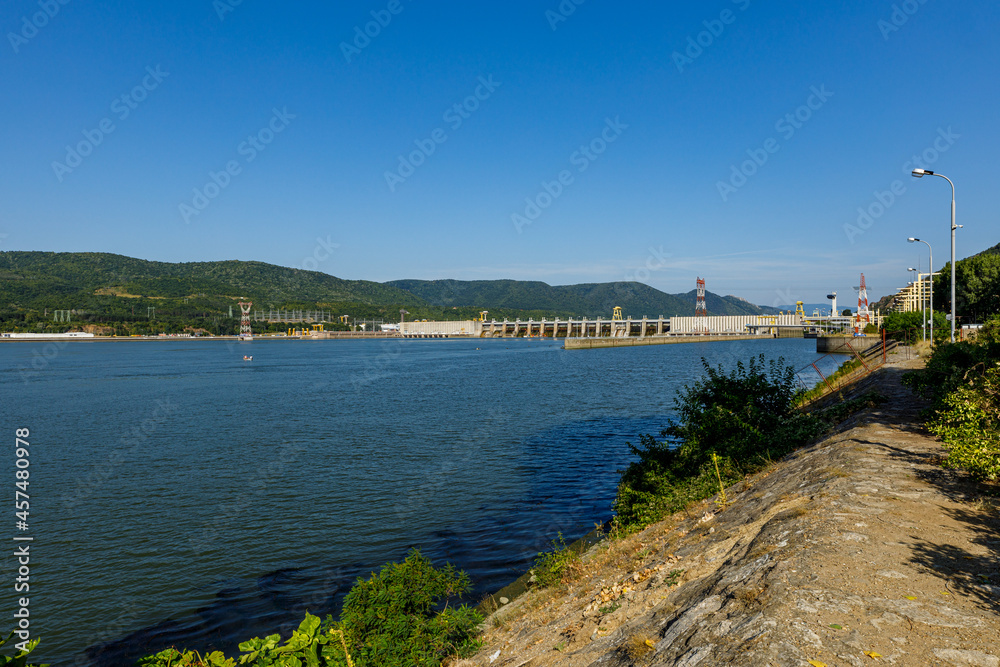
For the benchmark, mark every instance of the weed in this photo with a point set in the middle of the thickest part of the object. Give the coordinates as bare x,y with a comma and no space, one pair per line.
551,567
749,597
673,577
638,646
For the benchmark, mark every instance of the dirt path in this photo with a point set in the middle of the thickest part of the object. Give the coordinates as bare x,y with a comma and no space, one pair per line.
857,550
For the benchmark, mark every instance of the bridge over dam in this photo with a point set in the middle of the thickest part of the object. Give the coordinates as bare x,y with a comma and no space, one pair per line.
628,331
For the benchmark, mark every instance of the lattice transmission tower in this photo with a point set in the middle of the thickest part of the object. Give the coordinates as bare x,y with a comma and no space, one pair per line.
864,315
700,309
245,330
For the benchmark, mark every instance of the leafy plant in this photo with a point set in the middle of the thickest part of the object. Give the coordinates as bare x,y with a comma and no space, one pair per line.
399,617
173,658
737,421
551,566
396,618
728,426
20,658
963,381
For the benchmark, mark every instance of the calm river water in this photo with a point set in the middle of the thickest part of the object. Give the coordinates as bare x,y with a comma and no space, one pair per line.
182,496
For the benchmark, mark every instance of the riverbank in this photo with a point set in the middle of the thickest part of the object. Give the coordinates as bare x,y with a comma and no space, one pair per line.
857,547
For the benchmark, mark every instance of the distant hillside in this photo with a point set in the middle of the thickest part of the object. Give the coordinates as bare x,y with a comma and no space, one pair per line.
59,280
111,284
590,299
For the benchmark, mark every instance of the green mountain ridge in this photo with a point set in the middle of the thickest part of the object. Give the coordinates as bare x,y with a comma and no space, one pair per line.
42,281
30,275
588,299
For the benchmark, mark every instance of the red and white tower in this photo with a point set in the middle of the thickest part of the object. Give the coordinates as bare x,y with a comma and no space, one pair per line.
700,309
864,317
245,330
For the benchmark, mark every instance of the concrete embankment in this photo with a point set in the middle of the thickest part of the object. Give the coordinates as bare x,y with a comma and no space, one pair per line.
855,550
593,343
846,344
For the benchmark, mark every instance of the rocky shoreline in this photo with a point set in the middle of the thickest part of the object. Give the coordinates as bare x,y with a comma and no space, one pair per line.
856,549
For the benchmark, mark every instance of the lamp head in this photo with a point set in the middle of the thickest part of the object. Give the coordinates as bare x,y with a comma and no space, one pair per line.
920,173
911,239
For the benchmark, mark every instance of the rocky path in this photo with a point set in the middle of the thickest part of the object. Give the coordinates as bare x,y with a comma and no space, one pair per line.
857,550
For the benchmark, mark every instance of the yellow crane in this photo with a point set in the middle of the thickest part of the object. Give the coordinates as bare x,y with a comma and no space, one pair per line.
617,315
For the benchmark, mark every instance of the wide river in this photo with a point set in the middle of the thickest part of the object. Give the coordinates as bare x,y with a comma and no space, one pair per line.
183,496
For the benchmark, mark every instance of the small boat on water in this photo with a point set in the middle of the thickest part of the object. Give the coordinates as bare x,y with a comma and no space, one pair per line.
247,358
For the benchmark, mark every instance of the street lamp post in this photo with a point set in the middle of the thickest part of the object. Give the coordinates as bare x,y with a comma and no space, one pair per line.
920,292
920,173
930,282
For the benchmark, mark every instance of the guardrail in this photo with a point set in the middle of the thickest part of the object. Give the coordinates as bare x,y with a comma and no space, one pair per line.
862,363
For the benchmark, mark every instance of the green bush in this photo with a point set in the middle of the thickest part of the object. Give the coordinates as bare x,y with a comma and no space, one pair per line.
962,380
908,328
745,417
393,619
20,658
551,566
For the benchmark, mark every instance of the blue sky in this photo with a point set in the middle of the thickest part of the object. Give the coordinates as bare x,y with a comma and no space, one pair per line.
591,142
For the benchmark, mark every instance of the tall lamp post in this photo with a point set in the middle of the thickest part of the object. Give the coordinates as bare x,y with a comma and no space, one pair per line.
931,281
920,173
919,290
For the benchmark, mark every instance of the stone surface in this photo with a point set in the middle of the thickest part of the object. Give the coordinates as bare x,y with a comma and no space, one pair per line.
859,544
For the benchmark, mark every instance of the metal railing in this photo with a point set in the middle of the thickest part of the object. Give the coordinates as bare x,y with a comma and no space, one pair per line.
861,364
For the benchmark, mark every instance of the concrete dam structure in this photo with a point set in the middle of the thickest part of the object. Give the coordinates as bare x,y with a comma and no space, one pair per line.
761,325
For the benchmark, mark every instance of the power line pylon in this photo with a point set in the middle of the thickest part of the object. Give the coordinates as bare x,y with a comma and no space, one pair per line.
863,312
700,309
245,330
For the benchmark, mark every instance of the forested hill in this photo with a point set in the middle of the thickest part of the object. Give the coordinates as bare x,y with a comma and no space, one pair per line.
46,281
30,277
590,299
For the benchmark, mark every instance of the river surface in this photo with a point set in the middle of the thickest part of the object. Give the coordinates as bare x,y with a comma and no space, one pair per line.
182,496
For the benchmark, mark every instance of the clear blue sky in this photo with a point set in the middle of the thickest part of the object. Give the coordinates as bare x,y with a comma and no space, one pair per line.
198,80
